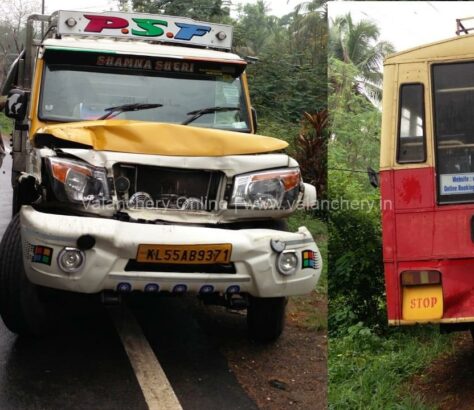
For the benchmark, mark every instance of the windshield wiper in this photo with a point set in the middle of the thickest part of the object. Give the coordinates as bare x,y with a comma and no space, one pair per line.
210,110
127,107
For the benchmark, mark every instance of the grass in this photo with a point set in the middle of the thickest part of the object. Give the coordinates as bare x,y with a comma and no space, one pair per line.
367,371
307,311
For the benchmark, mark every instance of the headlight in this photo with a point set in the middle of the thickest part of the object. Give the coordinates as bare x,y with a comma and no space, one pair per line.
76,181
276,189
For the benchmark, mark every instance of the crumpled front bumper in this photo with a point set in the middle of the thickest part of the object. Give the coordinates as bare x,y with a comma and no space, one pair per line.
117,243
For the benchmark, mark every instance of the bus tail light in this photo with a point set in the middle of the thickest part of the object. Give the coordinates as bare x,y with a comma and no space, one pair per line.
420,277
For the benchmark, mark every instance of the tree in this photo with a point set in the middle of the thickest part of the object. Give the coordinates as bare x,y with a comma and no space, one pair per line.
208,10
291,76
308,31
255,29
358,44
355,123
12,30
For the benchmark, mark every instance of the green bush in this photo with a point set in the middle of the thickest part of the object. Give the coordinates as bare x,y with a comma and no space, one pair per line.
356,282
6,124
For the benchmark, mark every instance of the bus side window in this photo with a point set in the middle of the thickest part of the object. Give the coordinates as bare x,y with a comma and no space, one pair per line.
411,124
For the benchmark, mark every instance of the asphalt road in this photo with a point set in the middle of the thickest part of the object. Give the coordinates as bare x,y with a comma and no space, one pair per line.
83,364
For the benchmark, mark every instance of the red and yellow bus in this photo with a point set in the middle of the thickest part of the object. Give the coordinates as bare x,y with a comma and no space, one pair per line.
427,184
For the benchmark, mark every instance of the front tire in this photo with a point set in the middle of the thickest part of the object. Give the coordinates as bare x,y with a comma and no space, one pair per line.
21,307
266,318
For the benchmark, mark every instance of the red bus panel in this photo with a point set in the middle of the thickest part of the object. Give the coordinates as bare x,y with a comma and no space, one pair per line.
419,234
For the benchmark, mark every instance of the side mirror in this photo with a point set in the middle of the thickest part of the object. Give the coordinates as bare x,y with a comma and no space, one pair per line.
16,104
373,177
254,120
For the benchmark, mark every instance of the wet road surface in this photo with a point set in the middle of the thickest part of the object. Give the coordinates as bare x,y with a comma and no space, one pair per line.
82,363
191,359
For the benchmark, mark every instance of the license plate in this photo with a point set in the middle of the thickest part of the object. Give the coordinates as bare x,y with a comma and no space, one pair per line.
423,303
185,254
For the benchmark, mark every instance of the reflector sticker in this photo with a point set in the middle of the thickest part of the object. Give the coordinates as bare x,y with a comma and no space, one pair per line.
309,258
42,254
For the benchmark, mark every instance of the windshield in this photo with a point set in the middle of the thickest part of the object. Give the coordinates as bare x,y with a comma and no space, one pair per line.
453,86
85,88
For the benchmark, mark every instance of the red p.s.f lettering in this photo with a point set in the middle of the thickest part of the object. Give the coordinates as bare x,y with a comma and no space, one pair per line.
98,23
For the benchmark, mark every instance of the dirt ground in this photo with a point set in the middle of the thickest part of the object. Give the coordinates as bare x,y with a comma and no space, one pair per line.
448,383
289,374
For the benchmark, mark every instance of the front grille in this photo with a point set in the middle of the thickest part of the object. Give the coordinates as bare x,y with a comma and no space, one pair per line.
167,188
134,266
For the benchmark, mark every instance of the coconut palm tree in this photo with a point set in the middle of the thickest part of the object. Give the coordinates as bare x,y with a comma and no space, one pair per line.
256,29
308,31
358,44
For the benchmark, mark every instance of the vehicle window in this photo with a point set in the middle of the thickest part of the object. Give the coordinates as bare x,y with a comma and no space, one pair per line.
411,130
83,92
453,86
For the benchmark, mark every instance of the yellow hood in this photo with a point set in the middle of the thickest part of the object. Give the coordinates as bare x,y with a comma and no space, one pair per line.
161,139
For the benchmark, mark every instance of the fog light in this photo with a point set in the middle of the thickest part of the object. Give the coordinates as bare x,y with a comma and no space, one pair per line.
71,22
180,289
206,289
152,288
287,262
233,289
124,287
71,260
221,35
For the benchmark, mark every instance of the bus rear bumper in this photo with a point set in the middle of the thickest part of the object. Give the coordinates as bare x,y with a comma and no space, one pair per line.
449,320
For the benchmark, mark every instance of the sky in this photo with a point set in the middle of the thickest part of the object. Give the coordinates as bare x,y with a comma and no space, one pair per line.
277,7
408,24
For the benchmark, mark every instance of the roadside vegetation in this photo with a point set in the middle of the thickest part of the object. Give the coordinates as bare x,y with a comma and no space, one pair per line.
369,363
6,125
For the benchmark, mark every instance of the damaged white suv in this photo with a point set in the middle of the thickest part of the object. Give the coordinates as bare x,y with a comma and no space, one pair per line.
136,167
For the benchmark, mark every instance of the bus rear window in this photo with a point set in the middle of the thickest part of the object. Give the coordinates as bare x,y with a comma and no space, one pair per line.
411,129
453,86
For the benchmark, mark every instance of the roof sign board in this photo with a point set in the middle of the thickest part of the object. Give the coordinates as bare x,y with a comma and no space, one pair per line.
145,27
